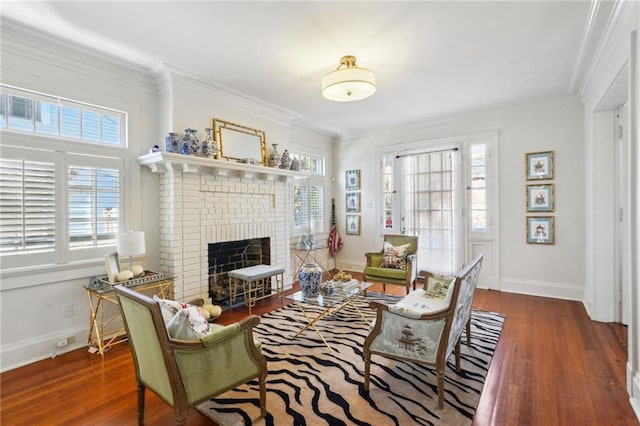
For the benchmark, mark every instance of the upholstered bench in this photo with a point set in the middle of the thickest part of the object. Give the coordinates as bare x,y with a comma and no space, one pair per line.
256,283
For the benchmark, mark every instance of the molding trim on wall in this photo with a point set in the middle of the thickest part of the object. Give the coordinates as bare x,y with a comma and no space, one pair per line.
19,354
554,290
195,86
613,32
66,54
633,389
405,130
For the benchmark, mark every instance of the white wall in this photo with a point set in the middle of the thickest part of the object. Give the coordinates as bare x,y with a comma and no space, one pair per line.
31,301
616,58
555,124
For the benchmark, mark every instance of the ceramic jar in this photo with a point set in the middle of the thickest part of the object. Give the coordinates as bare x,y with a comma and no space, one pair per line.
295,164
209,147
274,157
310,278
285,160
172,143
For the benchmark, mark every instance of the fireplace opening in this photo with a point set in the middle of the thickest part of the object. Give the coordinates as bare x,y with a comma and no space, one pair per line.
229,255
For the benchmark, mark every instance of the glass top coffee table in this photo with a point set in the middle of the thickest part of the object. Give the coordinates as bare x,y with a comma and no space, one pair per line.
332,303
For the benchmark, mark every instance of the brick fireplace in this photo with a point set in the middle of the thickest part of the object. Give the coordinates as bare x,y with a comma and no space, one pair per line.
200,206
229,255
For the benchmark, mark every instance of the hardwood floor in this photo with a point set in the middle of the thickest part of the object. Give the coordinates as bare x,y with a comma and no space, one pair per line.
552,366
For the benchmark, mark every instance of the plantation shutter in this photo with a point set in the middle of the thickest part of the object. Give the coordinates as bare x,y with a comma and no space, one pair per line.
317,203
300,206
27,206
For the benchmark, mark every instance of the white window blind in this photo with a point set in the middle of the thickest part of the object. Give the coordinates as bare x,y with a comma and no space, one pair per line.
27,206
300,206
94,205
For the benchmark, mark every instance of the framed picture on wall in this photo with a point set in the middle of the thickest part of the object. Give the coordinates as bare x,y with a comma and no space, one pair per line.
353,224
353,202
353,180
539,165
540,198
541,230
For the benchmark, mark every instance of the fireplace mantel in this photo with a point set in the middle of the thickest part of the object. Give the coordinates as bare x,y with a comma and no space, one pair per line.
202,165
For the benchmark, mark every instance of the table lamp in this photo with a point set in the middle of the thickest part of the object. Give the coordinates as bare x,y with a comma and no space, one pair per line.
130,244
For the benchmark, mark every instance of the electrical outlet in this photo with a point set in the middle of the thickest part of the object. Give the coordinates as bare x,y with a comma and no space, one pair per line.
66,341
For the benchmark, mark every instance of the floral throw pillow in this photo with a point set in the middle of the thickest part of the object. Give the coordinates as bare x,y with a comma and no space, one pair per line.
395,256
440,287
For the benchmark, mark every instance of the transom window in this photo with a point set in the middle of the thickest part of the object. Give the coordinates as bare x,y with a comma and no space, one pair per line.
25,111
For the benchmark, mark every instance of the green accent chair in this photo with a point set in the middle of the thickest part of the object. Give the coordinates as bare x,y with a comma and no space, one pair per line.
185,373
374,272
423,327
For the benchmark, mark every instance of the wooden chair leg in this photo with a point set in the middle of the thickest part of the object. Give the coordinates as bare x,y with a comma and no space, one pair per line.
384,288
458,354
263,395
440,375
367,369
140,388
469,332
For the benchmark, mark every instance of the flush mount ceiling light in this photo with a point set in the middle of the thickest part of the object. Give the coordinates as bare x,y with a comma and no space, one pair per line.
348,82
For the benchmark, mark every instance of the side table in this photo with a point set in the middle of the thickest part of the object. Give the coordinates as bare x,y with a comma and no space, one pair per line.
318,255
105,322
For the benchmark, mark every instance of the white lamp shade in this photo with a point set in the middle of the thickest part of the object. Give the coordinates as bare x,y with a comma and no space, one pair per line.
348,84
130,243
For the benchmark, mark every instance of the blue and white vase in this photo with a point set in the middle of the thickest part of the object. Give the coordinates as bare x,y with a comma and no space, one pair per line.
310,278
172,143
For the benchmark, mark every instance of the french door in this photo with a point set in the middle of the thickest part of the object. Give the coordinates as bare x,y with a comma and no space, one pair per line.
430,207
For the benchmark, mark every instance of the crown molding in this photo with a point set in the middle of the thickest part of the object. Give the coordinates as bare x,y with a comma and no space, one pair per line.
34,44
615,28
463,118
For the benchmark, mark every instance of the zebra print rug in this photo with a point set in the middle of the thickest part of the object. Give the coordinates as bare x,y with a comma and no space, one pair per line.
310,385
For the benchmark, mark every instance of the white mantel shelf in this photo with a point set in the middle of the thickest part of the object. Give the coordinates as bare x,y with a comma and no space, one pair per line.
162,161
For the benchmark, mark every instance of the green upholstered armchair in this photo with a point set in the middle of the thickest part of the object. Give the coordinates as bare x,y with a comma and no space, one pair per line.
376,271
186,372
425,326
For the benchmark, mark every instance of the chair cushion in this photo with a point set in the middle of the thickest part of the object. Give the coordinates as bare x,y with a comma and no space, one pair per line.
440,287
395,256
418,303
373,272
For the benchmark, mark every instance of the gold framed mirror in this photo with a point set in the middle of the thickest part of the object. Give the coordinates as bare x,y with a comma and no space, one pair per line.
240,143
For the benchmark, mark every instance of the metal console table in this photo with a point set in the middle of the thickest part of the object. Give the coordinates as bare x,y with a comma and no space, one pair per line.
105,321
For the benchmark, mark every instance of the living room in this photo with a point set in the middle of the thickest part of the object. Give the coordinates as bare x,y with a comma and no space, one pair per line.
574,120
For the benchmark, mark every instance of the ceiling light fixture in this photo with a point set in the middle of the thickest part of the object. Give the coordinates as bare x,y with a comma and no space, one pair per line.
348,82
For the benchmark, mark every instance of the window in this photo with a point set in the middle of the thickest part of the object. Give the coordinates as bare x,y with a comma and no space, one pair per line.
388,193
478,188
26,111
58,204
308,197
27,206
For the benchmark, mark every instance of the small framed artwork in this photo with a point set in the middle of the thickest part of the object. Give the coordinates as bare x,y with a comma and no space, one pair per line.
539,165
112,265
353,180
540,230
353,224
540,198
353,202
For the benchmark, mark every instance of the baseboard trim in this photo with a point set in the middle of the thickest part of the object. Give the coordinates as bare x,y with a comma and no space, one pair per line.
633,389
29,351
554,290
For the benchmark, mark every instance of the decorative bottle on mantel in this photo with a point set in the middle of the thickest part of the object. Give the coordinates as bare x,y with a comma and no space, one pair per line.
310,278
172,143
209,147
285,160
274,157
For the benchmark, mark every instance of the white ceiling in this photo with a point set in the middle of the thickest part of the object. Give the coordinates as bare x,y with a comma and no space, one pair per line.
430,58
